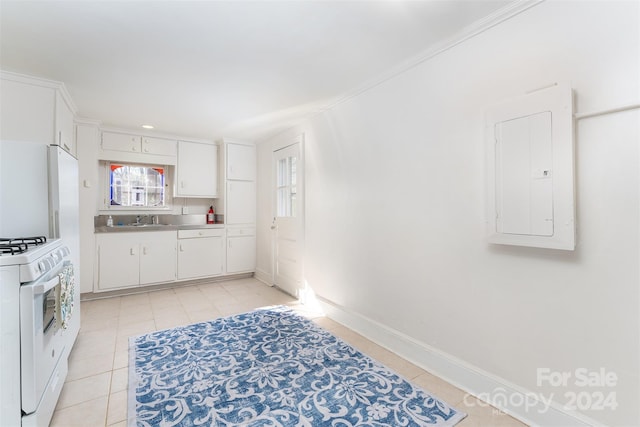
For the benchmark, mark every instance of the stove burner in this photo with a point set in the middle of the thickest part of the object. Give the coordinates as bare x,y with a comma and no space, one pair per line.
18,245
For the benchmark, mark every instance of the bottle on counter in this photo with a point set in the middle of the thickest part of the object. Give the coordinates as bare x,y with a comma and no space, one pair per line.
210,216
110,221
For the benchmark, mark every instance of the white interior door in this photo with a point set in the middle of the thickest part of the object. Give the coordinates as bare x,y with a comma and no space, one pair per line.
288,219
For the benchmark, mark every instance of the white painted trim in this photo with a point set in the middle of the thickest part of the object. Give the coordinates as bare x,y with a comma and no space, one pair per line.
87,121
263,276
580,116
226,140
501,15
457,372
478,27
39,81
155,134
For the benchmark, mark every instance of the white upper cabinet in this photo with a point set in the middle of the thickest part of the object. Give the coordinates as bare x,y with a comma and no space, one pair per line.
197,170
241,162
240,188
241,202
36,110
160,146
121,146
121,142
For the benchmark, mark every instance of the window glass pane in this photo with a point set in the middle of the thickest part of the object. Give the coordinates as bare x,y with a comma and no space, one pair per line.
282,172
282,202
139,186
286,187
293,170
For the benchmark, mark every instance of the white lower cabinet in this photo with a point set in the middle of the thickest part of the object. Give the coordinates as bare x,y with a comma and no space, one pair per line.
241,250
131,259
118,261
200,253
158,257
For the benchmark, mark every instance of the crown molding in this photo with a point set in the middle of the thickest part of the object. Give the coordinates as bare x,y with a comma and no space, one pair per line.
476,28
39,81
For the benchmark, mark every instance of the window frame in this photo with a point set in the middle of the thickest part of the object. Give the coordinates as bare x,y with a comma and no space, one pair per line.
167,175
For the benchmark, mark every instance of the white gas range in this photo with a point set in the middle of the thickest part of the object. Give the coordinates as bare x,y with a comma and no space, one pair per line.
37,327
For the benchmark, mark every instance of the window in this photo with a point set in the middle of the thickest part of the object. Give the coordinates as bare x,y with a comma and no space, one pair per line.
139,186
287,193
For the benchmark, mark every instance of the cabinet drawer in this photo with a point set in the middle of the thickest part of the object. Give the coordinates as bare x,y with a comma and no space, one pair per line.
204,232
120,142
160,146
246,231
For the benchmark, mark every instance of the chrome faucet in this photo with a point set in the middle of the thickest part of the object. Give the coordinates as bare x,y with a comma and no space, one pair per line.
139,219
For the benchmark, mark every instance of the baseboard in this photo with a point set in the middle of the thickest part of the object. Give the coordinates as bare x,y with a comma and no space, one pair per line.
263,276
88,296
501,394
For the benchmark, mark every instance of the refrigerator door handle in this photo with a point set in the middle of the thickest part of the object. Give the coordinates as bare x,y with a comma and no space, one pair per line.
56,224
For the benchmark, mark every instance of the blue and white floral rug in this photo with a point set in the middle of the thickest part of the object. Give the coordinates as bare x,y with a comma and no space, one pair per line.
269,367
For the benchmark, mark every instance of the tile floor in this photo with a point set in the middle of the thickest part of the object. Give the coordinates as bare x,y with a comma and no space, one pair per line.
95,393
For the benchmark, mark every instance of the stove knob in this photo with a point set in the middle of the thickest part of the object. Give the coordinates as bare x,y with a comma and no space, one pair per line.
40,268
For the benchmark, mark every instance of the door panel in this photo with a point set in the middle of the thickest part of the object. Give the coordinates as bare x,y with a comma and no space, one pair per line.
241,202
158,260
288,219
241,254
118,262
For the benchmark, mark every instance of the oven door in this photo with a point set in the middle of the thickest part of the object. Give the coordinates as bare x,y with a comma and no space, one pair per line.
41,340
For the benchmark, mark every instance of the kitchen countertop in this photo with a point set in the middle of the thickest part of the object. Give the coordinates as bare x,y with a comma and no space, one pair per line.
153,227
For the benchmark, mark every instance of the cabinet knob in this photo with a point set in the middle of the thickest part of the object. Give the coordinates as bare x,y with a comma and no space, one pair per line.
146,150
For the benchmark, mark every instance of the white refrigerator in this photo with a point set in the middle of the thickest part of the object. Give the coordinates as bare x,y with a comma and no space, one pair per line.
39,193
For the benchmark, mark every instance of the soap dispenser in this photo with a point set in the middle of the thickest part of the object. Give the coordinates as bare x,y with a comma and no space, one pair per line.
110,221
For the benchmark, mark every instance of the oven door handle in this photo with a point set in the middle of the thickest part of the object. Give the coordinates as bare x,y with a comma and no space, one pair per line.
41,288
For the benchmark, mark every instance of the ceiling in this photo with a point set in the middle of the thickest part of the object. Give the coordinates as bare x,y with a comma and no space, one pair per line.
207,69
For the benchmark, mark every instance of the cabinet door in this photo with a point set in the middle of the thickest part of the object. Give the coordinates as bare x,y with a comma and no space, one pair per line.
200,257
26,112
120,142
118,262
241,254
160,146
64,125
241,202
241,162
158,258
197,170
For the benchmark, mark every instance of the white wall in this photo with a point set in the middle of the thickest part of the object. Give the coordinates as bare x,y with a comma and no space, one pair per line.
395,206
87,142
